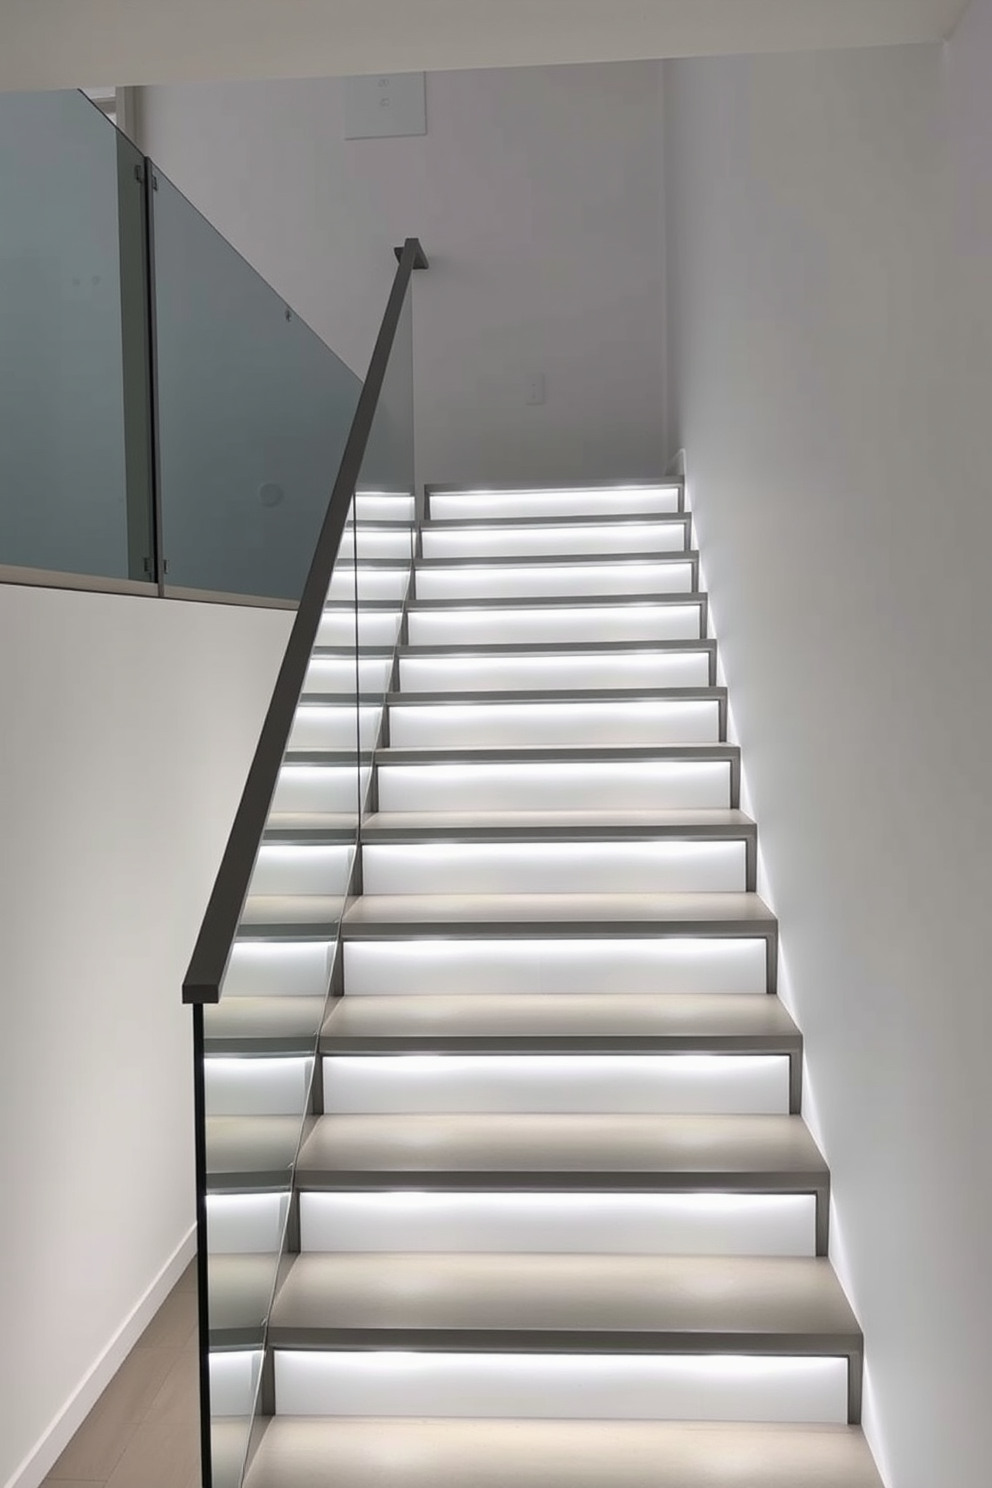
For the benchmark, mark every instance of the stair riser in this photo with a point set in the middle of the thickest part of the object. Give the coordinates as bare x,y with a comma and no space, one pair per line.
372,628
283,869
385,544
553,672
594,967
482,627
552,581
641,785
319,788
339,675
560,1223
456,725
336,727
372,583
565,1387
257,1087
274,970
371,506
472,506
717,1084
517,542
555,868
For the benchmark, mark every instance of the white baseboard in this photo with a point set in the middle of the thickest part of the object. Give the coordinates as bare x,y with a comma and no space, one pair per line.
46,1452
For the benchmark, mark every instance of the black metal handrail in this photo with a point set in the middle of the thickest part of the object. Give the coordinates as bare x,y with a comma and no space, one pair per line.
220,923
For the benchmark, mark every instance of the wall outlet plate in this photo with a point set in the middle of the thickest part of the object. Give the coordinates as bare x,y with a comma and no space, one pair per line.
385,104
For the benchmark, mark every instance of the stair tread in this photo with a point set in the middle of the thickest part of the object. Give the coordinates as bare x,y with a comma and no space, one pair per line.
702,821
674,1302
299,1452
512,1020
562,1150
251,1151
737,912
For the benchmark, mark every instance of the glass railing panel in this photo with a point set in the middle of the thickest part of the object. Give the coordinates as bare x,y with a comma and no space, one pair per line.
253,413
75,473
261,1071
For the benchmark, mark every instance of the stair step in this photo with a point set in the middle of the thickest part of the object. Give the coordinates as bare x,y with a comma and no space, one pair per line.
524,1083
478,1303
400,915
373,627
376,506
566,1153
297,1452
522,1024
520,778
567,501
638,961
562,826
248,1154
552,1221
595,716
598,536
672,573
264,1025
638,618
524,667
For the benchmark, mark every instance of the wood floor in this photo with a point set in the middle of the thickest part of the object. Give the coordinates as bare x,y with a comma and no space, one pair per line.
143,1431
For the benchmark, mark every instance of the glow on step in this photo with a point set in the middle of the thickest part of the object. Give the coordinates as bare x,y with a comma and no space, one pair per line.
340,674
554,624
589,1223
369,628
507,581
287,869
327,788
626,785
441,867
553,671
383,506
246,1224
466,506
234,1376
662,1084
270,969
256,1086
515,542
619,721
372,583
575,1386
335,726
596,967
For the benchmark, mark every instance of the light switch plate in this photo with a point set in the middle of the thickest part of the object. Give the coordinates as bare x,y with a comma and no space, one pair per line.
385,104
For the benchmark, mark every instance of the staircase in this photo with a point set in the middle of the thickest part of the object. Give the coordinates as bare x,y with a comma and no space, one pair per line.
559,1221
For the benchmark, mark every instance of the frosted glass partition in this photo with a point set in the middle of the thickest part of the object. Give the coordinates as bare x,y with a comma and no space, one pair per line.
253,413
75,487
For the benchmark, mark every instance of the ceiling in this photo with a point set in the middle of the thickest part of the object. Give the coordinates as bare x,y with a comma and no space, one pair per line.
64,43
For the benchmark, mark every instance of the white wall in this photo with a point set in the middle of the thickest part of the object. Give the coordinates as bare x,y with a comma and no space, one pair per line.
536,195
830,282
66,42
128,726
